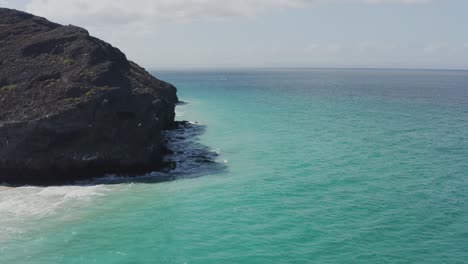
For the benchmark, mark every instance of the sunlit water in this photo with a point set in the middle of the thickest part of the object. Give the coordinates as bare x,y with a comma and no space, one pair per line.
315,166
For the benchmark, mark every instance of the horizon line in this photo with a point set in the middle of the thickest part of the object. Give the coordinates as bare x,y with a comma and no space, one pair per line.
158,68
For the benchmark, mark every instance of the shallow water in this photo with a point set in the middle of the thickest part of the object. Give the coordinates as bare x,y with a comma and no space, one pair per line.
314,166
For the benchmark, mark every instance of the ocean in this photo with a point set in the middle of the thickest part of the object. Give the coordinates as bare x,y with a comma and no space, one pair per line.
278,166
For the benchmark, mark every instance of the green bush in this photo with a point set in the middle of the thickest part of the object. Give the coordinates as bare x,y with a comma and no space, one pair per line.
8,88
90,93
68,61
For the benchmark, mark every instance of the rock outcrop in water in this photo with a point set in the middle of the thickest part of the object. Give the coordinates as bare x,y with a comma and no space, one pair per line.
72,106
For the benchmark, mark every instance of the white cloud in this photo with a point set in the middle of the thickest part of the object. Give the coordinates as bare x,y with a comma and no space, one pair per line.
122,12
396,1
334,48
16,4
146,32
119,11
442,48
365,46
431,48
312,47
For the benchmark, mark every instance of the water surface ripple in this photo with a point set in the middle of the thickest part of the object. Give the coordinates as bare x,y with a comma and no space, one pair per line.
319,166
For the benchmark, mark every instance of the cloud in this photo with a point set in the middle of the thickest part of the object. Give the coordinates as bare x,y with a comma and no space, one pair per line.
16,4
431,48
123,12
394,1
364,46
312,47
334,48
153,32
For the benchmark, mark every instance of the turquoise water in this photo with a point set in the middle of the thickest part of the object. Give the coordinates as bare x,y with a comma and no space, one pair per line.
318,166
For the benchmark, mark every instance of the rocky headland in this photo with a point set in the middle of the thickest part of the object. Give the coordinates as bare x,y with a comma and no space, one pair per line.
73,107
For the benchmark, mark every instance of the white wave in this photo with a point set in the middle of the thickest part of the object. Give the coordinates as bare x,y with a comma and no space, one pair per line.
22,207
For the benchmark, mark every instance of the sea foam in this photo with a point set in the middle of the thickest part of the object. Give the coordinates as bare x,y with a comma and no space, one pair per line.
21,207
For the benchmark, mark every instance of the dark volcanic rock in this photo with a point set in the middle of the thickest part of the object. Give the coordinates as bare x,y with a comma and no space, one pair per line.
72,106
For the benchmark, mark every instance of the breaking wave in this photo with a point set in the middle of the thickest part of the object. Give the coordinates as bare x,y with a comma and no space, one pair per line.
21,207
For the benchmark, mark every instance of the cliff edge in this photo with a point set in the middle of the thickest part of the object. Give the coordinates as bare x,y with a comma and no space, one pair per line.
73,107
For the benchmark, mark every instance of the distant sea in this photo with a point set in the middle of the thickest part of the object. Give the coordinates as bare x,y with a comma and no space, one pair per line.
311,166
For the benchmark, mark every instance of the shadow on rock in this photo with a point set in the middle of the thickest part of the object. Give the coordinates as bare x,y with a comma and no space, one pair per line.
185,158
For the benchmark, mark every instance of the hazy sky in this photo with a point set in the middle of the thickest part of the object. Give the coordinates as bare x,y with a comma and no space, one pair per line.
273,33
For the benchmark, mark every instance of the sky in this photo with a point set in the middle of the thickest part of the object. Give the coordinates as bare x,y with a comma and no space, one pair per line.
158,34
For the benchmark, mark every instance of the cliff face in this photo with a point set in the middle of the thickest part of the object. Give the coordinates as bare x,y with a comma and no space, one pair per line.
72,106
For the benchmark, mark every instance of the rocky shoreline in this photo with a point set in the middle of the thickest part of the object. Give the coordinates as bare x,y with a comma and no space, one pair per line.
73,107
